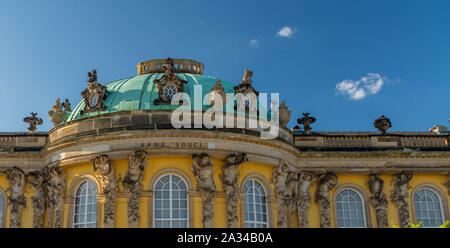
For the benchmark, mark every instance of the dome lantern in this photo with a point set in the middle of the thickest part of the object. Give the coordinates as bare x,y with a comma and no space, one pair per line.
160,65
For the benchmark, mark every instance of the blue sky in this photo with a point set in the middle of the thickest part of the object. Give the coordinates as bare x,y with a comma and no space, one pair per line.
388,57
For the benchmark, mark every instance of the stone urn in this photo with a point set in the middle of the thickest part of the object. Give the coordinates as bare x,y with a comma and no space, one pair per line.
382,124
284,114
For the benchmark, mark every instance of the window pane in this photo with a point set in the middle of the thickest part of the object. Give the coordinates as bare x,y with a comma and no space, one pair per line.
170,202
350,209
85,206
428,208
255,205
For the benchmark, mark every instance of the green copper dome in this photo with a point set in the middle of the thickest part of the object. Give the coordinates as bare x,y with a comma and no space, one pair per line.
139,92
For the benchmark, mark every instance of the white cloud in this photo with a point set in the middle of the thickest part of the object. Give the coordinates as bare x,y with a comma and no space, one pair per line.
285,31
367,85
254,42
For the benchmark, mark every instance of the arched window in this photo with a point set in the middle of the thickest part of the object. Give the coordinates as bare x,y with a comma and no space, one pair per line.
255,204
2,208
170,203
350,209
85,213
428,208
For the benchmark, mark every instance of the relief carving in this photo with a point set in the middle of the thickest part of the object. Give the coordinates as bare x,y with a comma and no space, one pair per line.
169,84
326,182
105,169
203,172
16,199
229,179
379,200
303,197
37,182
399,196
132,183
55,183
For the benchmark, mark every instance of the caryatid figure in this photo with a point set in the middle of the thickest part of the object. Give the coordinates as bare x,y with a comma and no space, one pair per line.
104,167
132,184
379,199
303,197
56,186
279,178
399,196
37,182
16,199
203,172
229,179
327,182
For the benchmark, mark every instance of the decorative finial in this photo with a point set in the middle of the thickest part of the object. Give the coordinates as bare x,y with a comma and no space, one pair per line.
306,121
33,121
218,89
66,105
56,114
92,76
169,67
382,124
285,114
247,78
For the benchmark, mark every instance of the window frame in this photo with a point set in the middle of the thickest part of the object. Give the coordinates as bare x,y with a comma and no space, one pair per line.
80,184
267,223
5,206
188,200
365,201
442,201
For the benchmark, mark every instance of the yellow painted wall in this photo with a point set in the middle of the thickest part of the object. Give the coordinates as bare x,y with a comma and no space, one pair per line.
184,164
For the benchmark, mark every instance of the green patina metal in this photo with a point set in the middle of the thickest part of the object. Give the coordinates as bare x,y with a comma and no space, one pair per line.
139,92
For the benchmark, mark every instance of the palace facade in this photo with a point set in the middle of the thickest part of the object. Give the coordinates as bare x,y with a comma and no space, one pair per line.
116,160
